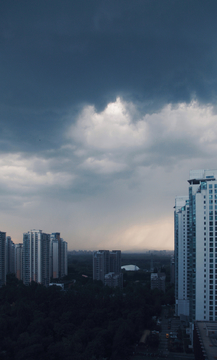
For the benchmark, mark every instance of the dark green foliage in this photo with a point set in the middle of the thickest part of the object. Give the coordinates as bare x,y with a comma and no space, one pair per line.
88,321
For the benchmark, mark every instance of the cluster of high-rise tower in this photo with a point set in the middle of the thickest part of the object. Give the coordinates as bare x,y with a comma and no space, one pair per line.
196,248
107,267
39,258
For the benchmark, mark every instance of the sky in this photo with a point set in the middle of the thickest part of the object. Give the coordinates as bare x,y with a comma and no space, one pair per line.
105,107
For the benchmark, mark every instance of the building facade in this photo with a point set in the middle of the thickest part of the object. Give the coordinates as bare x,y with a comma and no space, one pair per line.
107,267
2,258
36,259
10,256
181,256
158,281
101,264
36,256
196,248
19,261
58,256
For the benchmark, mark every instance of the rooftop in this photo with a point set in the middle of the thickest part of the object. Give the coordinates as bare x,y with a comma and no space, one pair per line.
208,335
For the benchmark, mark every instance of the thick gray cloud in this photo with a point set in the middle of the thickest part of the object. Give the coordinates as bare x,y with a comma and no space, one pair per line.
103,106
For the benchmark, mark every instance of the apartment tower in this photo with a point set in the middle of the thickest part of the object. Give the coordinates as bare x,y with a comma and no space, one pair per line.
2,258
58,256
196,248
36,257
107,267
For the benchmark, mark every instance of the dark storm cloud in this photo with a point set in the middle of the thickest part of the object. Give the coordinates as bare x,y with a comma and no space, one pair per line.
58,55
99,100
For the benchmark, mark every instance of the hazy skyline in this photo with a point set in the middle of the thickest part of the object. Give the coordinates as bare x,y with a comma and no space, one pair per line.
105,107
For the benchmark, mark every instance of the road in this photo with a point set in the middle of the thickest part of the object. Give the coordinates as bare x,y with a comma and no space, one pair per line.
163,346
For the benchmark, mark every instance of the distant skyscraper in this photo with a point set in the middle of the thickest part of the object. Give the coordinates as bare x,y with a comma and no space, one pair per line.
107,267
64,258
196,247
19,261
36,257
101,264
2,258
115,261
54,258
58,256
10,256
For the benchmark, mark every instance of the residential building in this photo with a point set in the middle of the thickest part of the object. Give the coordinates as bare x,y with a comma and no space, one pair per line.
113,280
36,257
101,264
196,248
64,258
172,271
181,257
115,261
19,261
10,256
158,281
58,256
54,258
107,267
2,258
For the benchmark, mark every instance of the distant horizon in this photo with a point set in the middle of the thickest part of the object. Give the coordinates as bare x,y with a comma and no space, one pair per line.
125,251
91,249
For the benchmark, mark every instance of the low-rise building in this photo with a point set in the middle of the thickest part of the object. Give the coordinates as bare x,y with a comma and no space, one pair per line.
158,281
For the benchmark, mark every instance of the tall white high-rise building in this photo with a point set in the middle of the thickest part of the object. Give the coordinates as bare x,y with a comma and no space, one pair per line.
36,257
2,258
196,248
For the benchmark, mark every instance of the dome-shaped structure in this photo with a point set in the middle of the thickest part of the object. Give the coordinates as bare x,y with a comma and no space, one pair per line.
130,267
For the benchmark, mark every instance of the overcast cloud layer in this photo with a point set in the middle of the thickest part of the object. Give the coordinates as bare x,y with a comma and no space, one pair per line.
105,106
